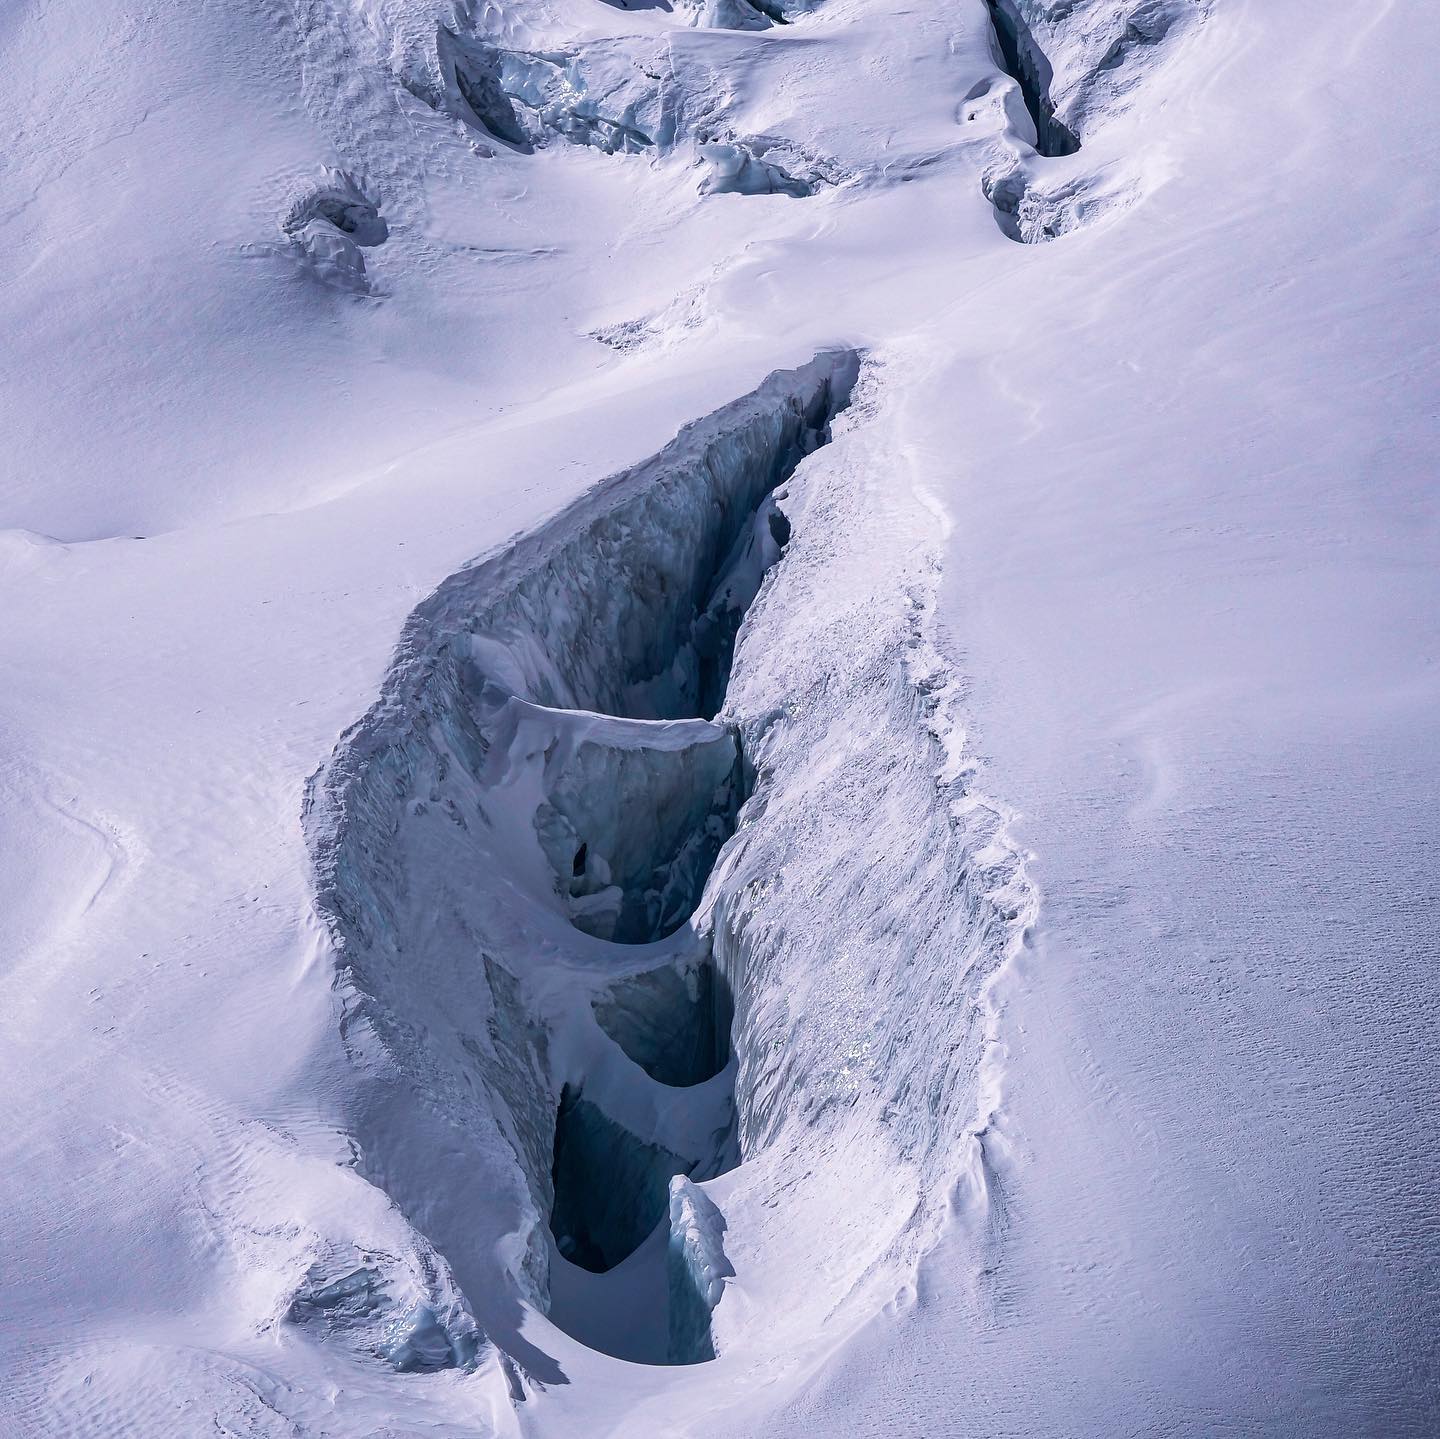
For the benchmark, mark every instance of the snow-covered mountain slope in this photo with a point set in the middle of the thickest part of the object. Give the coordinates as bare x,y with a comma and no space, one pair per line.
721,718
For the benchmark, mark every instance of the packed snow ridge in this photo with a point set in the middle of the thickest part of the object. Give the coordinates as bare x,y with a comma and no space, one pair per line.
511,849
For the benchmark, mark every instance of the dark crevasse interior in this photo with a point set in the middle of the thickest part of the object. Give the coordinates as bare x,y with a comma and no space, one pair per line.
635,613
635,1273
631,833
1026,63
611,1189
476,69
636,617
673,1022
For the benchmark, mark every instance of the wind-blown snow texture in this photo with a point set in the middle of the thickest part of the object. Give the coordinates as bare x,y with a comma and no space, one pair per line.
720,718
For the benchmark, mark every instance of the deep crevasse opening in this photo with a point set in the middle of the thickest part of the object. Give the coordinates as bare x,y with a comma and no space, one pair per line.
538,795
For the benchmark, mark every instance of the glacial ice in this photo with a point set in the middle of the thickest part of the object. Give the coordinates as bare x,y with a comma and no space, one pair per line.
725,15
475,68
423,1340
328,221
1027,62
737,169
1075,65
597,94
673,1021
610,1188
656,545
697,1269
414,1320
628,814
1158,497
638,829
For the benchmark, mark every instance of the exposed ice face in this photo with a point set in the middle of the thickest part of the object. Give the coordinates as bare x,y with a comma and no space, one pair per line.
674,1021
697,1268
738,169
1033,212
599,97
1076,59
621,95
1027,62
537,793
409,1315
617,96
632,833
678,545
610,1188
725,15
628,815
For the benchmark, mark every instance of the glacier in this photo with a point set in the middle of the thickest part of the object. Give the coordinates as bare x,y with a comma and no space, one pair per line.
720,719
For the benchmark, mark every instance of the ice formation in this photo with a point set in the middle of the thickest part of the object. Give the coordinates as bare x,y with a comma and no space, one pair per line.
1074,66
1027,63
597,96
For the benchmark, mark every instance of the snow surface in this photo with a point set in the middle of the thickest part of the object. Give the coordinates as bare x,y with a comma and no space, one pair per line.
447,991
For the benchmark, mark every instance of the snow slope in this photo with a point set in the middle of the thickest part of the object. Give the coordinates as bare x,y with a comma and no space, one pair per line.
455,983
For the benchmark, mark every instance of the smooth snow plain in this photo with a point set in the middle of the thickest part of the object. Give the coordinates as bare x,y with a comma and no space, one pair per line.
692,746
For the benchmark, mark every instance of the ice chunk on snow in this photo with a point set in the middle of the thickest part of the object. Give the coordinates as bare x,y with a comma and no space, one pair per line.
725,15
697,1269
336,258
736,169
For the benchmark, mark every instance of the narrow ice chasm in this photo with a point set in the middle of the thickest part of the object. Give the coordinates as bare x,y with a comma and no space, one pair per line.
1075,65
510,848
1026,63
1077,61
